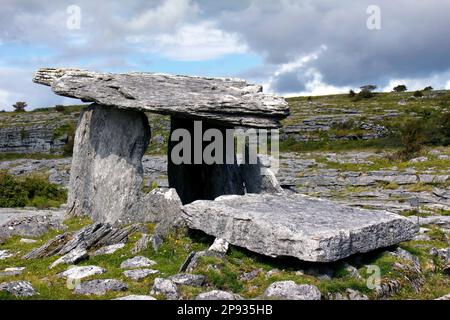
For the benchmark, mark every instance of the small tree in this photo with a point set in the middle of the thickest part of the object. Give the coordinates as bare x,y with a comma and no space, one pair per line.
20,106
429,88
400,88
351,93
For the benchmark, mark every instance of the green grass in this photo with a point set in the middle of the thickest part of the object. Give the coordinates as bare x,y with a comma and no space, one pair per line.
224,273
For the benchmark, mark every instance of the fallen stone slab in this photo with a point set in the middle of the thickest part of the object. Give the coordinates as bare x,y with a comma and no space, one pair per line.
289,290
100,287
139,274
92,236
82,272
18,288
135,297
50,248
137,262
218,295
187,279
296,225
229,101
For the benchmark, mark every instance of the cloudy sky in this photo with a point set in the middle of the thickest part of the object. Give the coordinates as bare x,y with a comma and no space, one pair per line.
293,47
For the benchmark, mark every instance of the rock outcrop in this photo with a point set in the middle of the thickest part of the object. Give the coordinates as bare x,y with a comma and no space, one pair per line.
295,225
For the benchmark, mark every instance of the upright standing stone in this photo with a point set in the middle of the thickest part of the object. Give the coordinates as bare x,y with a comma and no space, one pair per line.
106,174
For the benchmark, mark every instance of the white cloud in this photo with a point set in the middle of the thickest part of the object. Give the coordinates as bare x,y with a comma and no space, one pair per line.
164,17
193,42
447,85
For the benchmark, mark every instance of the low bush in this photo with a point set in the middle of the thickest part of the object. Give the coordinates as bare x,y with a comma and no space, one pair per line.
33,190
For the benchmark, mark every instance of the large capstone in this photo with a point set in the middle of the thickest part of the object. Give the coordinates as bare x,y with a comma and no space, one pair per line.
106,174
296,225
227,101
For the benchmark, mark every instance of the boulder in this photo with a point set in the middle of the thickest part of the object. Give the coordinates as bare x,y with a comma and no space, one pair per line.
166,288
81,272
18,288
139,274
186,279
307,228
289,290
136,297
229,101
137,262
220,246
100,287
218,295
5,254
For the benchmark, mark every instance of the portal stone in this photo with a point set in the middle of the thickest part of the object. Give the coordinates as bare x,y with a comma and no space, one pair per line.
202,181
106,174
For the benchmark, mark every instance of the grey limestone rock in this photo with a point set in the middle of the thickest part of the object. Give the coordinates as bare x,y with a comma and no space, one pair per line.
100,287
106,173
186,279
72,257
18,288
218,295
139,274
230,101
81,272
308,228
289,290
166,288
136,297
137,262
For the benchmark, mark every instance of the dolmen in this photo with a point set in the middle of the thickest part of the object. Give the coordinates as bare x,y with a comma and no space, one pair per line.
228,198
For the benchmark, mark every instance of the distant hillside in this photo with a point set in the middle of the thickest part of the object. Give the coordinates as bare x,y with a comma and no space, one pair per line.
322,122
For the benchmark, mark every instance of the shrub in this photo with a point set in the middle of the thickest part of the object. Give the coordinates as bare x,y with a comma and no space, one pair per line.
351,93
429,88
12,194
32,190
20,106
400,88
418,94
412,139
364,94
60,108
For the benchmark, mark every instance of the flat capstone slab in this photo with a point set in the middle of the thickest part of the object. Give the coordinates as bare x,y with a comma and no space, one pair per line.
295,225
